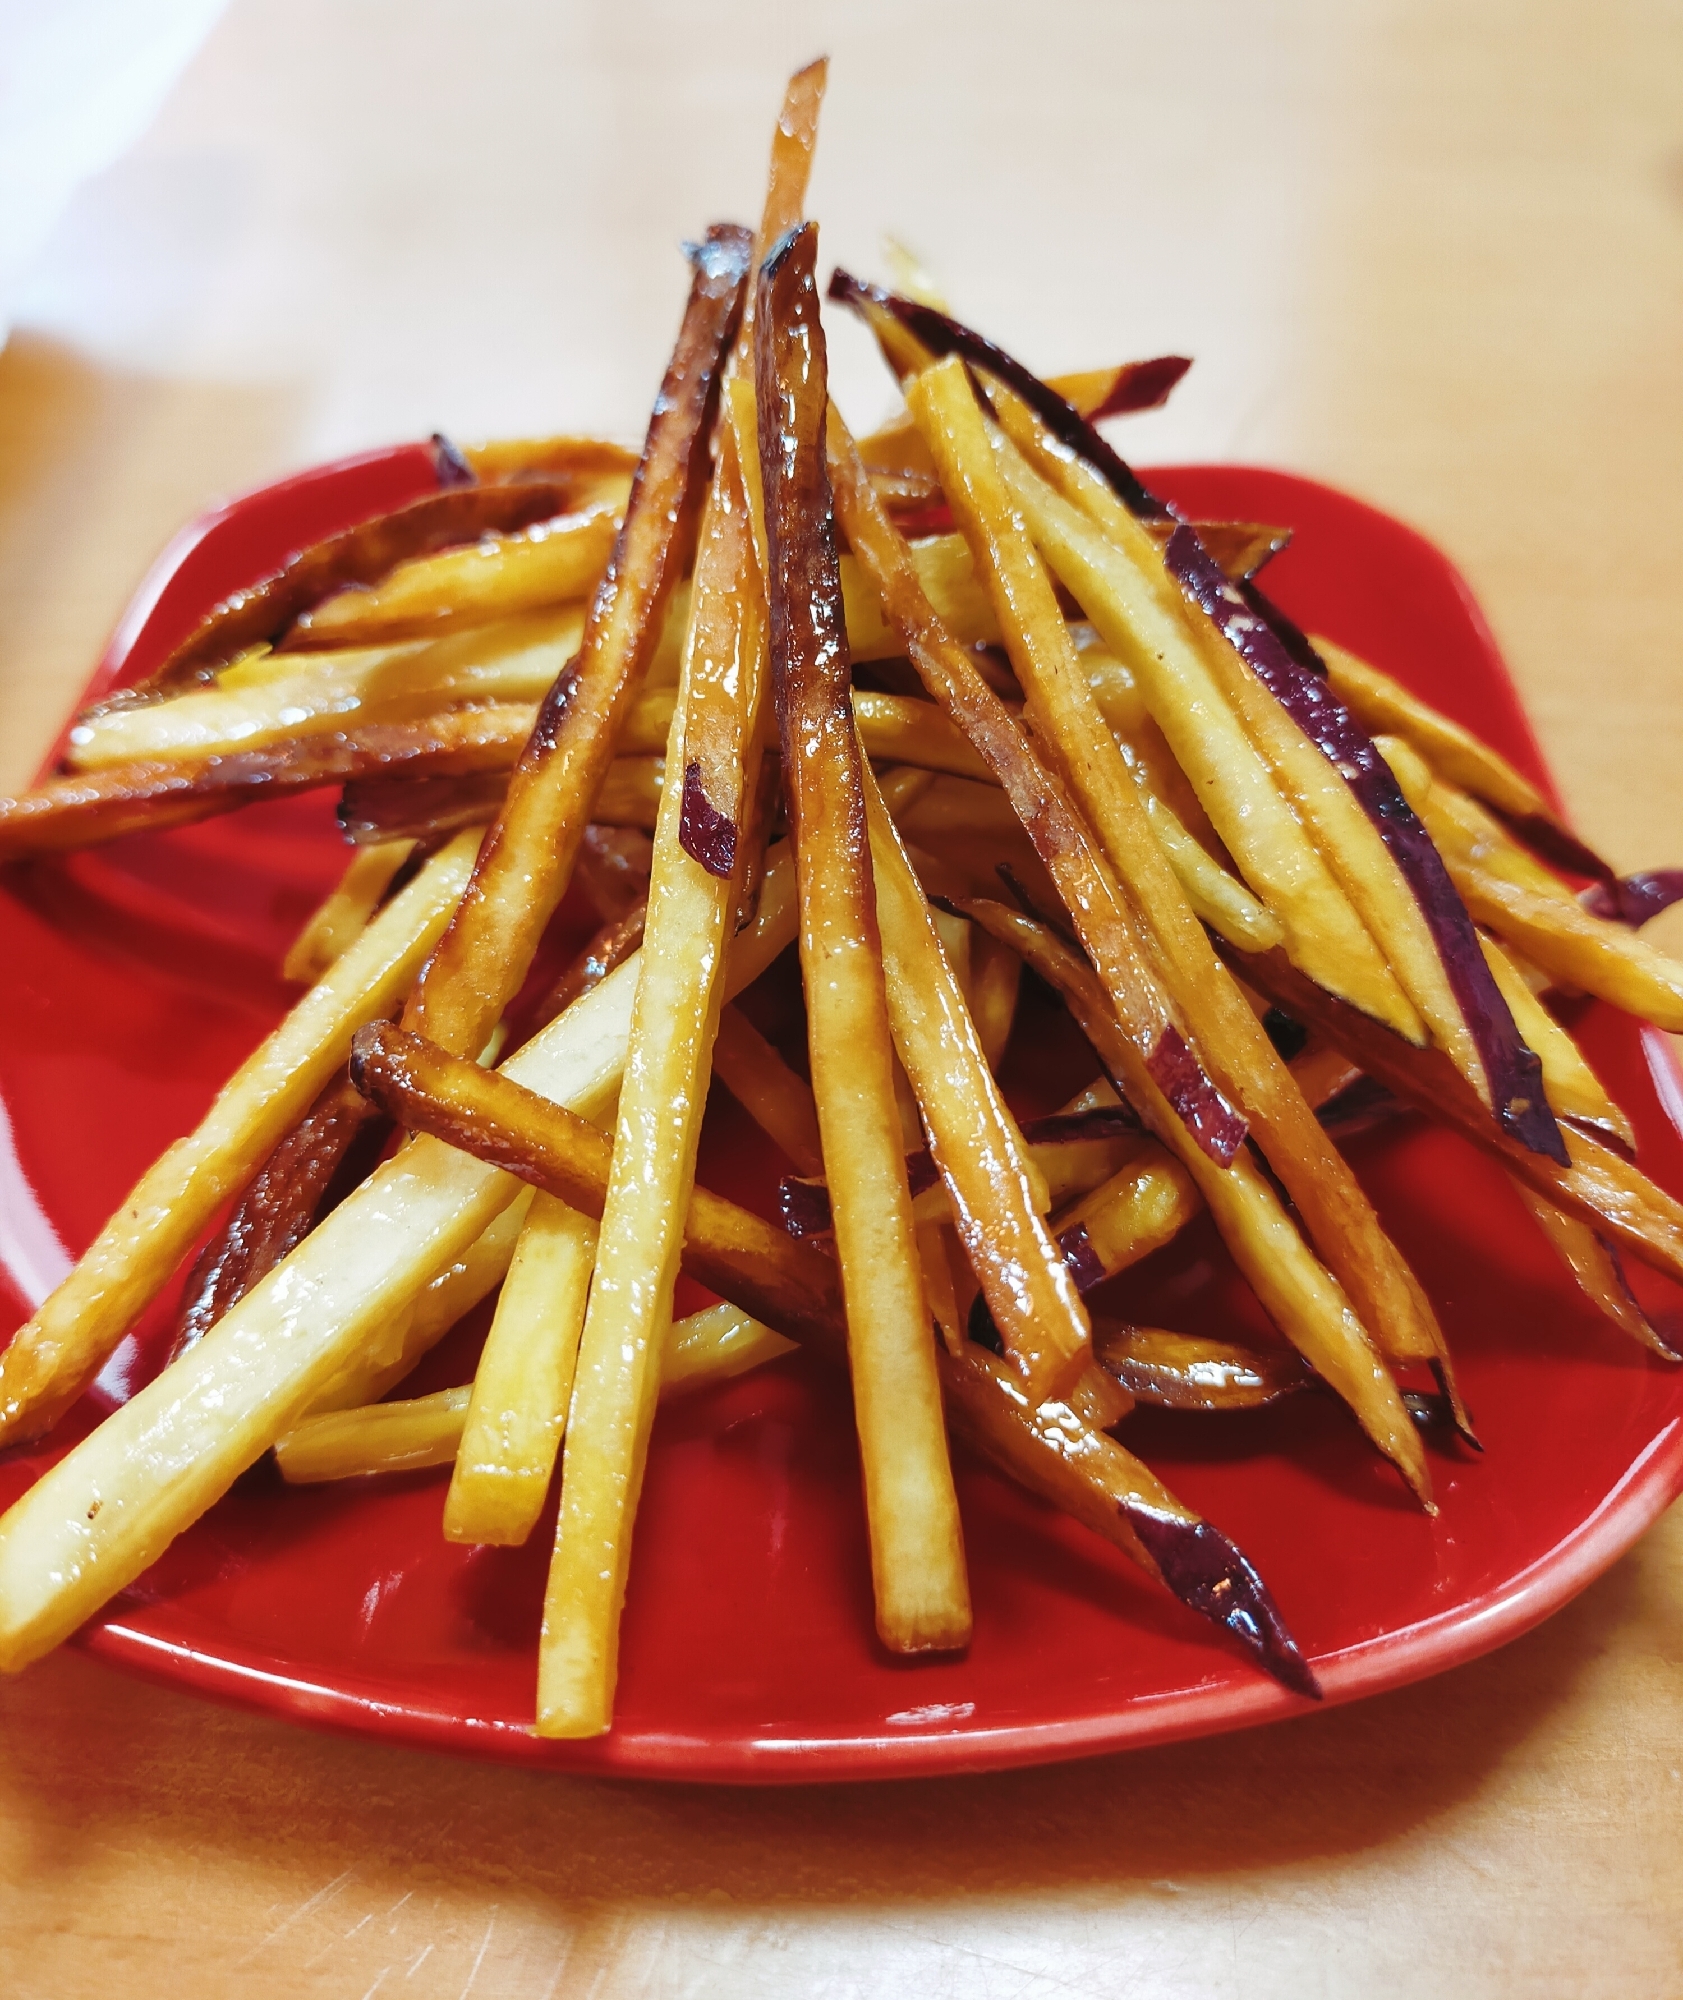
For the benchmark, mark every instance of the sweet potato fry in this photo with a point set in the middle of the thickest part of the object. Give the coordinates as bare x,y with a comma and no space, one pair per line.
346,911
779,1101
1596,1265
793,1288
1182,1371
584,466
917,1558
60,1349
975,1142
1574,1089
420,806
496,577
1145,1204
527,859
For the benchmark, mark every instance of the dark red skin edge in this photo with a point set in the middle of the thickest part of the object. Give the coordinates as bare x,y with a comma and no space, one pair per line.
1194,1099
1633,899
1282,658
706,835
1142,385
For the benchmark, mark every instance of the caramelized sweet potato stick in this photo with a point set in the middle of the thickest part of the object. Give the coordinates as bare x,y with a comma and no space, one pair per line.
516,661
1574,1089
527,860
692,905
949,580
1228,1036
261,613
58,1351
83,811
1183,1371
417,806
346,911
513,1422
917,1551
585,465
779,1101
331,1320
996,976
1308,1305
496,577
1610,1193
793,1288
1146,1203
975,1141
1598,1269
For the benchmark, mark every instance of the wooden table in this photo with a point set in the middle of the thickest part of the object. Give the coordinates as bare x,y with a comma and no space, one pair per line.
1430,252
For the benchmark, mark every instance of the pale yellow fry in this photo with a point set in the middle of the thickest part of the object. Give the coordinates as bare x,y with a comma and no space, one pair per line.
513,661
1124,589
346,911
60,1349
499,576
524,1380
1571,1086
974,1138
387,1437
950,582
779,1101
712,1345
664,1093
110,1507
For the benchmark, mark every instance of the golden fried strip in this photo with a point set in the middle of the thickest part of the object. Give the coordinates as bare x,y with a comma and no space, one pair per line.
346,910
59,1350
974,1139
1595,1266
1304,1301
917,1550
527,859
1573,1088
1183,1371
779,1101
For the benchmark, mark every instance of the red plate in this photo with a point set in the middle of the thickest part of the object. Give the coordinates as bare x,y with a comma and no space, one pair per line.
139,975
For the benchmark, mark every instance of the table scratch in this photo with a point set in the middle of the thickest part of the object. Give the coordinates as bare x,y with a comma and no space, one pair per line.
303,1910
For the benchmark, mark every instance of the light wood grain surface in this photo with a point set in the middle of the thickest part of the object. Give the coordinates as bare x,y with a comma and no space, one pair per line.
1431,252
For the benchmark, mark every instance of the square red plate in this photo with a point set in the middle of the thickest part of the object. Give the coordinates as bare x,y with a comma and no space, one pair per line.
138,975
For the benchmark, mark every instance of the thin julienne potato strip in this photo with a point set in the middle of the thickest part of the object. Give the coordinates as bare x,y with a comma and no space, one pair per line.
1126,593
1595,1266
498,577
511,1428
527,860
1574,1090
995,981
974,1139
154,1466
712,1345
779,1101
1346,1231
1304,1301
71,1335
345,911
517,660
793,1288
1554,932
692,900
917,1553
947,574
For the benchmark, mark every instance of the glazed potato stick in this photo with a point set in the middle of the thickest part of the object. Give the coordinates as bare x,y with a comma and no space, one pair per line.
917,1554
779,1101
55,1355
1145,1204
516,662
346,911
1182,1371
1574,1089
156,1464
586,466
1596,1267
419,806
996,976
692,899
793,1288
498,577
949,580
513,1422
715,1344
974,1139
1230,1040
1553,931
527,860
1307,1305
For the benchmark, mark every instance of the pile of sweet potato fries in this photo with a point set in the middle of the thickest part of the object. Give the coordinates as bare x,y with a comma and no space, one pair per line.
955,698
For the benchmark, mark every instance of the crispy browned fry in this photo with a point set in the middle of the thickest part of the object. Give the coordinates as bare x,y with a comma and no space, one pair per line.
793,1287
779,1101
277,1210
346,909
973,1138
1184,1371
494,577
420,807
1610,1193
1596,1265
1304,1301
917,1549
1341,1220
83,811
261,613
527,859
612,945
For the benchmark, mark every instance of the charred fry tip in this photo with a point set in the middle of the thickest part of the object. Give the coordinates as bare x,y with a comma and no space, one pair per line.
450,464
1212,1577
1444,1376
